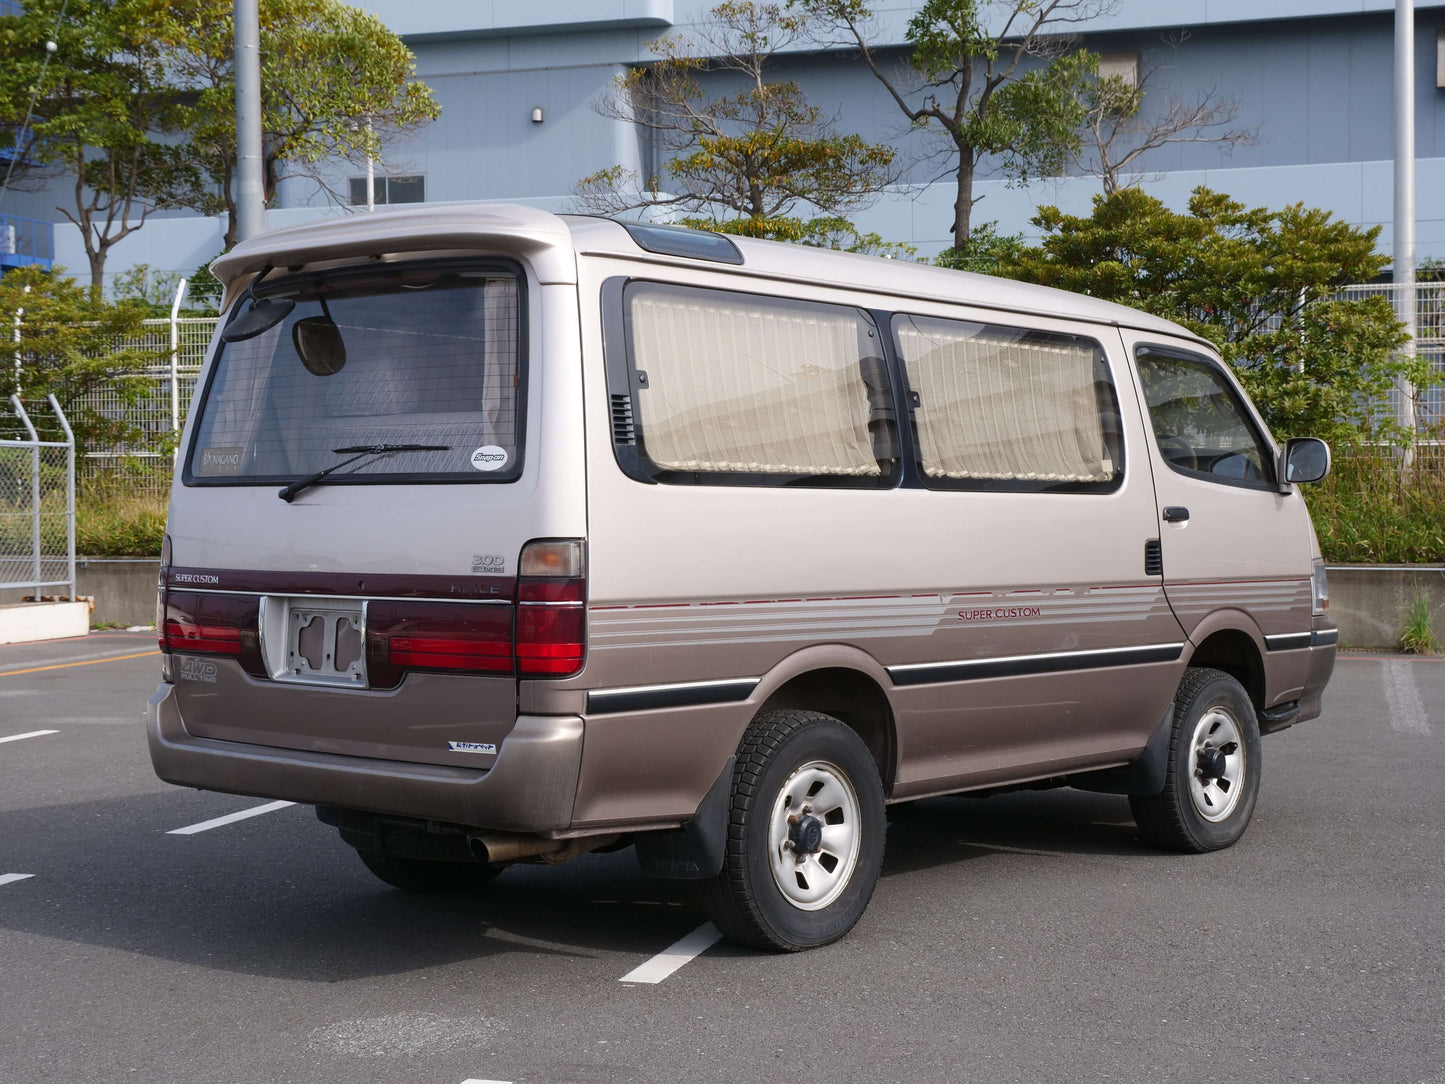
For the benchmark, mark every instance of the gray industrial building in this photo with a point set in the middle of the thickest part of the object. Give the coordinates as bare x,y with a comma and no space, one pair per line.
517,84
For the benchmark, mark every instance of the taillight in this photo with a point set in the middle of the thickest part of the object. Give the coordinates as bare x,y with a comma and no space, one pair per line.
436,636
551,609
201,624
161,592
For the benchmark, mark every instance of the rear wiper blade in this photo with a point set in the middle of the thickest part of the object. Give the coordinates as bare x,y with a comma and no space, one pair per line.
288,493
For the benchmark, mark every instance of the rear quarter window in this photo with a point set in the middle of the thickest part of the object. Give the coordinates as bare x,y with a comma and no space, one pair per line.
741,389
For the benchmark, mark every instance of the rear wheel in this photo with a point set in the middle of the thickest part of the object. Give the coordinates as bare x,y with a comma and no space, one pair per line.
805,834
429,878
1212,781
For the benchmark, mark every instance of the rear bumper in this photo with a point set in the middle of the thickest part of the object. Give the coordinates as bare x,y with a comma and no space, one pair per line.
531,787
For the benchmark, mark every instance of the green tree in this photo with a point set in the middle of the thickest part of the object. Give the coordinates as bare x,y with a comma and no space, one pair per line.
68,347
102,106
335,84
990,79
757,161
1261,285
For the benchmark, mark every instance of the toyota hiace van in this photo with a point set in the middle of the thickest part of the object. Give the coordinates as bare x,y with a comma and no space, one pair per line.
504,536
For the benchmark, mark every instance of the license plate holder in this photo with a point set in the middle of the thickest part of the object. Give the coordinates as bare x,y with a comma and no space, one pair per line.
325,643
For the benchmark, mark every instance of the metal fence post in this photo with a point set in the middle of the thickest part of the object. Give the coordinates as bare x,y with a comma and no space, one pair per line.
19,315
69,492
175,356
34,490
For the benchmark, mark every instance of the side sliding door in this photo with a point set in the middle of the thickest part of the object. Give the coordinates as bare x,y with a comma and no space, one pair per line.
1029,507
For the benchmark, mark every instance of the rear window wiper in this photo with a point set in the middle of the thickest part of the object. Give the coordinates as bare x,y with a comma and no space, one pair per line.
360,451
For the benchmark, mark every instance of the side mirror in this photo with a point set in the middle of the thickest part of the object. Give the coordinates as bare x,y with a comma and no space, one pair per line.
1305,459
318,344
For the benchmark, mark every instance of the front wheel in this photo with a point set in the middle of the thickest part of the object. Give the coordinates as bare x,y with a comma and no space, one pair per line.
1213,774
805,834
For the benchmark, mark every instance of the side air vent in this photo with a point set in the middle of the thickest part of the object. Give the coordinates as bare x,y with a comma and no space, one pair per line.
1153,558
623,431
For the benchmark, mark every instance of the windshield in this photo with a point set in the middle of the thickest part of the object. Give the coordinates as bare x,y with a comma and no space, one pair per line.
413,356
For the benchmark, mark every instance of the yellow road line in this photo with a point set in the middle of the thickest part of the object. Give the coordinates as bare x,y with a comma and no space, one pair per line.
83,662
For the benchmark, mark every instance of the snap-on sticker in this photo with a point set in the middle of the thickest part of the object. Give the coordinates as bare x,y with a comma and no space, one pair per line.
489,458
471,747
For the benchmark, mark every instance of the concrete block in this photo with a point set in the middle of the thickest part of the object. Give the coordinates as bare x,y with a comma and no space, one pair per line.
1369,602
26,622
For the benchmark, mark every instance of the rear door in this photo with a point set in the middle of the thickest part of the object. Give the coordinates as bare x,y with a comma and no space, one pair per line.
373,613
1231,540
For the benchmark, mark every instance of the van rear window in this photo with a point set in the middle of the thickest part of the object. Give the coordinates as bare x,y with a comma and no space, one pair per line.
415,356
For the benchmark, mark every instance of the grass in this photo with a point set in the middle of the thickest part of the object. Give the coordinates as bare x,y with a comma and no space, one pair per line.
113,524
1367,513
1417,637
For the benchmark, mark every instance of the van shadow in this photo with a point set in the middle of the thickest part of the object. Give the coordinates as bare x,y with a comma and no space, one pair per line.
281,896
937,831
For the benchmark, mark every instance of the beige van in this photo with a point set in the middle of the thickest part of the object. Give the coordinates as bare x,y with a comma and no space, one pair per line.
501,536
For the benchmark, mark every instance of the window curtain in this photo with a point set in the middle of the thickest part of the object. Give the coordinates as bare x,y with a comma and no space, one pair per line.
763,388
995,404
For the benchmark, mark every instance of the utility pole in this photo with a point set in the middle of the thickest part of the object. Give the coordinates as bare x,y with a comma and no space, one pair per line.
250,193
370,171
1404,274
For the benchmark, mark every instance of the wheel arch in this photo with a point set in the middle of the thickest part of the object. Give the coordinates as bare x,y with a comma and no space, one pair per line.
1230,641
843,682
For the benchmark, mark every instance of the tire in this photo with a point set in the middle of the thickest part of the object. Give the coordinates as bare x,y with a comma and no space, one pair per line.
766,896
429,878
1212,780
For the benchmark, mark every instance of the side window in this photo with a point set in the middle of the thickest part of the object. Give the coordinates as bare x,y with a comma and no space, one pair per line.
741,389
1006,408
1200,424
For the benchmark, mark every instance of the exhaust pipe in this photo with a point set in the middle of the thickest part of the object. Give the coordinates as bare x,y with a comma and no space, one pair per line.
498,847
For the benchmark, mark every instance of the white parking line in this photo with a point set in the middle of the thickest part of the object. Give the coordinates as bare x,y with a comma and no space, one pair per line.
32,734
675,955
229,818
478,1080
8,878
1407,710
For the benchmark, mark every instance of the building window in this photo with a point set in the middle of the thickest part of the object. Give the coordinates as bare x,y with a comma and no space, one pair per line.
1123,66
389,190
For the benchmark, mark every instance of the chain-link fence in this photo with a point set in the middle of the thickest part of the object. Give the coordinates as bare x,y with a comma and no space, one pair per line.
37,500
144,467
1429,339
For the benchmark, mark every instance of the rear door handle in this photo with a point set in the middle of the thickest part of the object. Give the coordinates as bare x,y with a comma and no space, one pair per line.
1176,514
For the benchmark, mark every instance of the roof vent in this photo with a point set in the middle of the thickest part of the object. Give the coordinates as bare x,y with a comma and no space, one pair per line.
680,241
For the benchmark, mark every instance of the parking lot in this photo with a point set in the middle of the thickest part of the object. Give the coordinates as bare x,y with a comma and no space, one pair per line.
1026,937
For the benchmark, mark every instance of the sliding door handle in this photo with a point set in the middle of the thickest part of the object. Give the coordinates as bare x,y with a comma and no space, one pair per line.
1176,514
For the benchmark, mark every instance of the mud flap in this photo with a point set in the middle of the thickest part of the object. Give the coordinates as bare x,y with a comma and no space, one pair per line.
695,851
1142,775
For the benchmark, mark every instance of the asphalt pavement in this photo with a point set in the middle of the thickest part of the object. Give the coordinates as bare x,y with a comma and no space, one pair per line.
1025,937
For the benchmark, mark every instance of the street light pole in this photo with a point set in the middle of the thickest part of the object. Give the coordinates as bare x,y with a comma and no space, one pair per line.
250,192
1404,257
